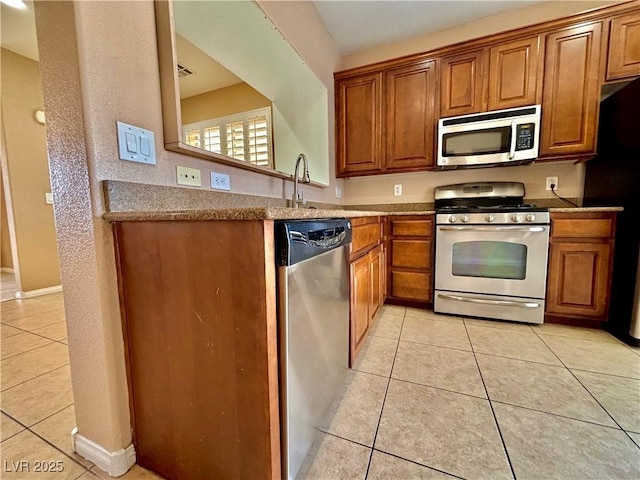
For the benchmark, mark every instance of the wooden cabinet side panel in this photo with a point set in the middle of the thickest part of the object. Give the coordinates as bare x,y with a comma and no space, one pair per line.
571,91
624,47
513,73
359,116
410,116
202,347
461,84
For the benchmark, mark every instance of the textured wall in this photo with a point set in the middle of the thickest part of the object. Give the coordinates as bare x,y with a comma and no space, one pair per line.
27,173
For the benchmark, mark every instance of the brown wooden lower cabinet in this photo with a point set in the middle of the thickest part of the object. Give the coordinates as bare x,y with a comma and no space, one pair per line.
367,279
409,260
361,289
580,262
201,346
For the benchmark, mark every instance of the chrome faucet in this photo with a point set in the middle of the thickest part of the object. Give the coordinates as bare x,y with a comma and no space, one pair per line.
295,201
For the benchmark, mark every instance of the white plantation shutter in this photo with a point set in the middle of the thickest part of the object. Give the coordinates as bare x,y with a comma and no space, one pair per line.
213,139
244,136
192,137
259,140
235,140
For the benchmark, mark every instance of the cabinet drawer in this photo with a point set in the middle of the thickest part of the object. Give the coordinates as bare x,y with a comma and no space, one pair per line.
582,228
365,237
411,285
411,254
412,228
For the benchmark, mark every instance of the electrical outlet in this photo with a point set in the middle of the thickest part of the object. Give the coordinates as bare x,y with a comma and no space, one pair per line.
552,181
48,198
338,192
220,181
188,176
397,190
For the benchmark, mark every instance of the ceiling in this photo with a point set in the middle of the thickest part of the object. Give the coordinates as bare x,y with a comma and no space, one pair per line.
363,24
354,25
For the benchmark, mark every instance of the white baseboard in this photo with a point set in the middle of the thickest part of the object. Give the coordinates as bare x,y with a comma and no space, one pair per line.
37,293
7,270
115,463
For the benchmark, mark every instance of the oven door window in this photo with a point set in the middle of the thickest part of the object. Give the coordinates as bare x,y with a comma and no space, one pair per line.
476,142
489,259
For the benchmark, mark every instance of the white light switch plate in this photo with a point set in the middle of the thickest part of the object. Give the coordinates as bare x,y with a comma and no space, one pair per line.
188,176
220,181
136,144
48,198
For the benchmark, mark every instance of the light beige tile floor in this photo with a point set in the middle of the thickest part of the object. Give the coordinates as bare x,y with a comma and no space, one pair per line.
470,398
36,399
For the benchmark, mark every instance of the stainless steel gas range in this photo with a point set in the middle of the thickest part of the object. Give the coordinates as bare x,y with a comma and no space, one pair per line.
491,252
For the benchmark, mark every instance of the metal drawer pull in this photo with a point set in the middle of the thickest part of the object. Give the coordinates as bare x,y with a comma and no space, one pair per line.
505,303
492,229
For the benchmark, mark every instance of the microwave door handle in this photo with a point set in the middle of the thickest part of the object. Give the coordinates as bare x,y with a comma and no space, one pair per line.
512,150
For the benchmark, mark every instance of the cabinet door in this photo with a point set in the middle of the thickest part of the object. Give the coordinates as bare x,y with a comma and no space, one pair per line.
513,74
571,91
358,117
374,271
624,47
578,280
410,116
383,273
461,84
360,301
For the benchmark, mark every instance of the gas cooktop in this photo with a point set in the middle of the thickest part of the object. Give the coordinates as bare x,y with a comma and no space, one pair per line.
499,203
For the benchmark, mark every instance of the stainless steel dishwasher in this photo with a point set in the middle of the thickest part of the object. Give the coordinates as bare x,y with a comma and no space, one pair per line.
313,323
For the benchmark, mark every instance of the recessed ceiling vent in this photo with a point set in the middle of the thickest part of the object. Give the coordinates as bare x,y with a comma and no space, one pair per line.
184,71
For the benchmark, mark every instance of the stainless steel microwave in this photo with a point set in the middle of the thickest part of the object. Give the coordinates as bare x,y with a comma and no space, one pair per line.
501,137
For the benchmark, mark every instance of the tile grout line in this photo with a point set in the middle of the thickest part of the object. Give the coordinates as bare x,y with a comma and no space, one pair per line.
384,399
22,330
31,349
37,376
589,392
48,442
417,463
556,415
495,419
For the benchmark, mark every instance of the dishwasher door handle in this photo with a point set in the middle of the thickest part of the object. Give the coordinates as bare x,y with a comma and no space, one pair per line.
482,301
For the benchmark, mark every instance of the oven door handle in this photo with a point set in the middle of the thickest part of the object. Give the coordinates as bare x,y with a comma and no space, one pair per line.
482,301
492,229
512,149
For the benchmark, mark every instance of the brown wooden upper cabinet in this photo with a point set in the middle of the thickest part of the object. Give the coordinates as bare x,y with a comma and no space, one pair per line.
359,118
406,110
461,84
571,91
502,76
513,74
410,116
624,47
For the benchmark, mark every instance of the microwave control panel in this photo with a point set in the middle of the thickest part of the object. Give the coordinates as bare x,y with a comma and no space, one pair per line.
525,136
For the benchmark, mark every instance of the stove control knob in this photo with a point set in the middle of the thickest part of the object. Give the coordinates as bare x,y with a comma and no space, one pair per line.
530,218
452,219
465,218
516,218
490,218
